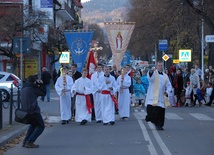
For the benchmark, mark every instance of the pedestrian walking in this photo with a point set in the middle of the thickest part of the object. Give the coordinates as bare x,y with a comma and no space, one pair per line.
107,86
123,85
63,88
46,78
29,95
155,103
97,93
83,88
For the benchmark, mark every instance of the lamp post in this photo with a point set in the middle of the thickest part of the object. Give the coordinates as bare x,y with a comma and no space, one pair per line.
202,43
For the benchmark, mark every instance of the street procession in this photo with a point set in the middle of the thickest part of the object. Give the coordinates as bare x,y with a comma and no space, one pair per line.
106,77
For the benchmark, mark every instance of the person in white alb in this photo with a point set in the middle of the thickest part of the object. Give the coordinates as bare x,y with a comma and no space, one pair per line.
63,87
83,88
108,101
123,84
97,93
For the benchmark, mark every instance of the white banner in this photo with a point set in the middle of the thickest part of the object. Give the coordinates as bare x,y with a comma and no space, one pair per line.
119,34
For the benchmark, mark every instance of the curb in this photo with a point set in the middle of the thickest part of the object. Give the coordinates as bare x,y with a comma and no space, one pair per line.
12,135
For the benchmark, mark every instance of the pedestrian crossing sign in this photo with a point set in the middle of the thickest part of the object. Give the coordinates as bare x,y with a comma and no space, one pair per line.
185,55
65,57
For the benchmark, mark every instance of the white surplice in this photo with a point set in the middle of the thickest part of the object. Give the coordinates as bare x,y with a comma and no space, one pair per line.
124,96
97,95
164,86
107,104
82,86
65,99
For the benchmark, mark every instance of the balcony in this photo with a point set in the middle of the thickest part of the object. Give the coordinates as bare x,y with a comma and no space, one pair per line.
66,12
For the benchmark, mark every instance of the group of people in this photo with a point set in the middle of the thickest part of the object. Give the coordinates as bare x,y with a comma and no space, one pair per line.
109,92
190,87
104,93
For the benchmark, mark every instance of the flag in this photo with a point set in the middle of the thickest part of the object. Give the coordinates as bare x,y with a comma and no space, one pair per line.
78,42
119,34
91,65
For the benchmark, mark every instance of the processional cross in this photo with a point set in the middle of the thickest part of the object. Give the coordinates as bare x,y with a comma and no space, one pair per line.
95,49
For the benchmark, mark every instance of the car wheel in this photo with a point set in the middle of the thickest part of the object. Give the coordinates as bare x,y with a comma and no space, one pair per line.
5,95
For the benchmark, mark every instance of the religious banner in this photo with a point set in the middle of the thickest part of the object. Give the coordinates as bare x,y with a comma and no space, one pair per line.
119,34
79,43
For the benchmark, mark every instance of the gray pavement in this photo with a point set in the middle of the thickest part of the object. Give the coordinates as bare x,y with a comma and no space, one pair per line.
11,131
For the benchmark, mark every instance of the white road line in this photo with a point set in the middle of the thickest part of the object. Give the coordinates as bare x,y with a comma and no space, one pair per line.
160,142
151,147
173,116
162,145
201,117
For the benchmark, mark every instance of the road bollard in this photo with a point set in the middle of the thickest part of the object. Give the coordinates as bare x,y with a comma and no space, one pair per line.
11,105
18,98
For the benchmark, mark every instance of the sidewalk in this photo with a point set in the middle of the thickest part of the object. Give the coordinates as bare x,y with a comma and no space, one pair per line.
48,109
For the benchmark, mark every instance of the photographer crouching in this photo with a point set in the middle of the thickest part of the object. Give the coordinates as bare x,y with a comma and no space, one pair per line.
31,90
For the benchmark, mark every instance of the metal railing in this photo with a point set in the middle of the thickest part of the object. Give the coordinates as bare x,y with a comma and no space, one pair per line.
13,104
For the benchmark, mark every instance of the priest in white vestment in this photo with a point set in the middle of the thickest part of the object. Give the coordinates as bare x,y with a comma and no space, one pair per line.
82,88
159,85
123,84
63,87
97,93
107,85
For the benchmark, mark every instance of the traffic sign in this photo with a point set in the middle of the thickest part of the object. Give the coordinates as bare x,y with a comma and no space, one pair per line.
185,55
165,57
65,57
25,44
176,61
209,38
163,45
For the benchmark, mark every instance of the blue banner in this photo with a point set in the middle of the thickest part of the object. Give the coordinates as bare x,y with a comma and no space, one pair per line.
79,43
126,58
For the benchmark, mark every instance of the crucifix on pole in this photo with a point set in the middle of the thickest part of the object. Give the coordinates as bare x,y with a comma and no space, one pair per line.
95,49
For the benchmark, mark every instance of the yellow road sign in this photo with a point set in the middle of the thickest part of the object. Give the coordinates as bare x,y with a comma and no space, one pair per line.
165,57
176,61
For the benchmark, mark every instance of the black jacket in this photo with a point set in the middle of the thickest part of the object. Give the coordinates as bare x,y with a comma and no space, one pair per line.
46,77
77,75
29,94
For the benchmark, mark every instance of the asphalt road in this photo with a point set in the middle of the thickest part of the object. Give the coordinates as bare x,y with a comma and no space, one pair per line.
188,131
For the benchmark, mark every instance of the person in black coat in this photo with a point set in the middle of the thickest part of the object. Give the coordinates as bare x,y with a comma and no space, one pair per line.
31,90
76,74
114,72
46,78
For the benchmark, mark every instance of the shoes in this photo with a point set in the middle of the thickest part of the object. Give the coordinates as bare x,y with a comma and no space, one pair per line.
99,121
116,112
112,122
105,123
23,144
159,128
186,105
42,100
31,145
48,100
208,104
67,121
83,122
63,122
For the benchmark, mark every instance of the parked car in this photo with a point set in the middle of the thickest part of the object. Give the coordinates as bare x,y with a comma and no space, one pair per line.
6,79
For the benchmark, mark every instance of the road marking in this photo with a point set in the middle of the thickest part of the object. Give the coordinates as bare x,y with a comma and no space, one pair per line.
160,142
151,147
201,117
173,116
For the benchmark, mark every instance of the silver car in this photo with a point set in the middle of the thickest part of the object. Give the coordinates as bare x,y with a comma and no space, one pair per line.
6,80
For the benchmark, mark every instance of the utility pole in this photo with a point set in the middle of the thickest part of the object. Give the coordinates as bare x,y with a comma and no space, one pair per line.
202,43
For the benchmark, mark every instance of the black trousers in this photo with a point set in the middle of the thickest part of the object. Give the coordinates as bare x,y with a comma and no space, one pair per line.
156,115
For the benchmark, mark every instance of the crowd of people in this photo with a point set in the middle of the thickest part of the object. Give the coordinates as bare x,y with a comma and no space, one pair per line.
109,92
100,97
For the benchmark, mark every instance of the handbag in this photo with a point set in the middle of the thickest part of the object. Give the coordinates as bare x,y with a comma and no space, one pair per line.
21,116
